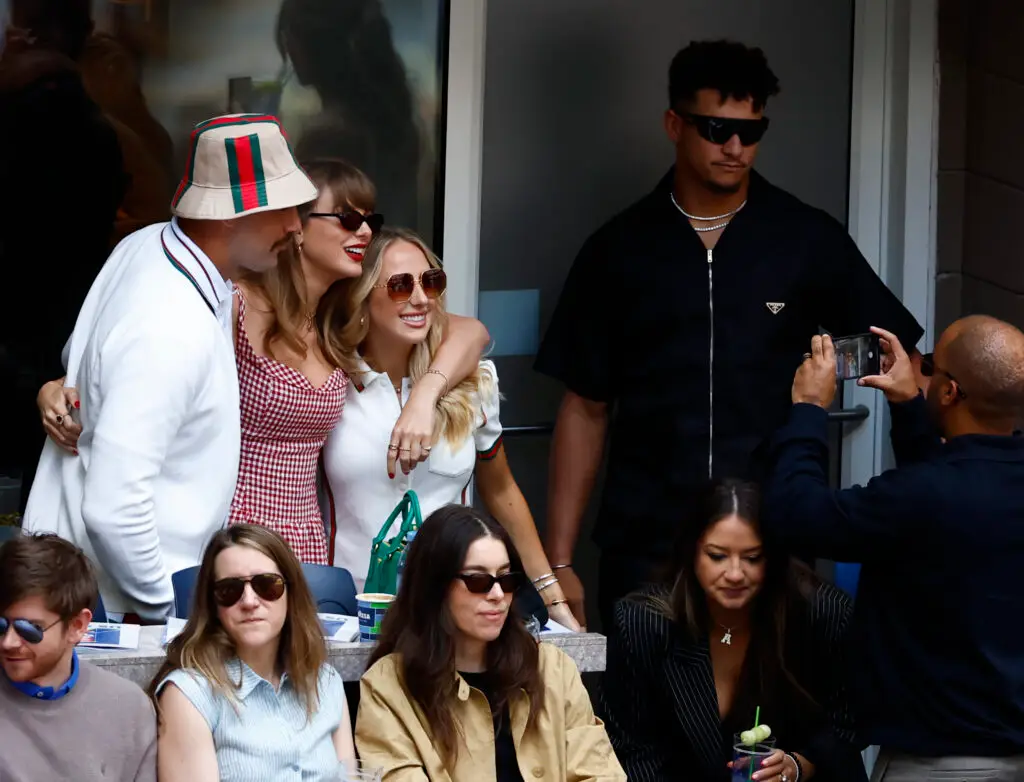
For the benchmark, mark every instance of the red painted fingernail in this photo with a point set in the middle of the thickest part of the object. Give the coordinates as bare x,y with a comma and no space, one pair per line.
78,404
75,452
391,475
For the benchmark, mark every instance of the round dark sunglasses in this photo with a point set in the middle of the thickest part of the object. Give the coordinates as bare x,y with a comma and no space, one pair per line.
351,220
267,586
718,130
400,287
30,632
482,583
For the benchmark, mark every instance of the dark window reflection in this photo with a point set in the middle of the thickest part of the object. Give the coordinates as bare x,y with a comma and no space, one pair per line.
97,100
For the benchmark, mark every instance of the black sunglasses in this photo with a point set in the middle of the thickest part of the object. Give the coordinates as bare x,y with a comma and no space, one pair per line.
400,287
30,632
267,586
482,583
928,369
351,220
718,130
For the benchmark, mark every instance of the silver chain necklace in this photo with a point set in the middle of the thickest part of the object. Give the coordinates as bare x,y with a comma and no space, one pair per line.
704,228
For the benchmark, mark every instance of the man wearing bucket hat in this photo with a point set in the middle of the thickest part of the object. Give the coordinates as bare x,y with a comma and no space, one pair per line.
152,357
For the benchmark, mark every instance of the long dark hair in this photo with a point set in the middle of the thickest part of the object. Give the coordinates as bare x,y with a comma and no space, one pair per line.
419,628
785,594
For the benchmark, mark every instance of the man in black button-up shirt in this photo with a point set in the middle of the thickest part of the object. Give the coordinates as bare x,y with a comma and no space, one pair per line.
938,641
682,320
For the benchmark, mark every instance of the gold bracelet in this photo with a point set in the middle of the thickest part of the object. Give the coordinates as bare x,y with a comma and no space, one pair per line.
554,603
444,377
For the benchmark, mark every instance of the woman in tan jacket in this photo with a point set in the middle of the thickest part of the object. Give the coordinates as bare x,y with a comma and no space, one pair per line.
459,691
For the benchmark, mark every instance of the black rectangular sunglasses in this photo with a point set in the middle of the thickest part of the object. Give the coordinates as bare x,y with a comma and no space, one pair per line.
482,583
718,130
30,632
267,586
352,219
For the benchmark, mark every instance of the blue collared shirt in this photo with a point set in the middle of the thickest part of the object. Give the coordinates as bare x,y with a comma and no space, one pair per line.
33,690
263,734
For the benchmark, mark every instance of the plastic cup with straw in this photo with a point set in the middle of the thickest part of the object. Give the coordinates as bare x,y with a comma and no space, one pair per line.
749,746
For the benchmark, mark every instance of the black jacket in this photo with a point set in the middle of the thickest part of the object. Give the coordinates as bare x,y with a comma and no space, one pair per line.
695,350
937,642
661,708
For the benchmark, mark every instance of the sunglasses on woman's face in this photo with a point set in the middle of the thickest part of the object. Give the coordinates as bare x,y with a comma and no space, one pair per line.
718,130
482,583
29,631
267,586
400,287
352,220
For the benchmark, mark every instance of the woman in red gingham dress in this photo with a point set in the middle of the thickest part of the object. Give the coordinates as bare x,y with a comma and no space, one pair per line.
285,421
291,395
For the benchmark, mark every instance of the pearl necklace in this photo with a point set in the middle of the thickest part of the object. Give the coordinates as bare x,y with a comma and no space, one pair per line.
703,228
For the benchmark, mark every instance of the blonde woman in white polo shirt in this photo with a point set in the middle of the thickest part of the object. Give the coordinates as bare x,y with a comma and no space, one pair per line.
395,314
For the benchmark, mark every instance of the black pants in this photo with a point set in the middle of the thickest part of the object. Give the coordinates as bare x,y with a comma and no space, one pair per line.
617,576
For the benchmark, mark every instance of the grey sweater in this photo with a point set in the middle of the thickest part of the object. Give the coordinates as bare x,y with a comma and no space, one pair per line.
103,730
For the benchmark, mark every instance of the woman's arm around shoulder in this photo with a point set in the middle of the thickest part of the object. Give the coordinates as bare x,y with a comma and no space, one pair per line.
383,723
185,749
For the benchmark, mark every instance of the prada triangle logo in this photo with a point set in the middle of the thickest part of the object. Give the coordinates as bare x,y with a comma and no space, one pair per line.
775,306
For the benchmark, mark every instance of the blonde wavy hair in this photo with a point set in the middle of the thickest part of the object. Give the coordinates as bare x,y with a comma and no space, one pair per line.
205,646
283,288
344,323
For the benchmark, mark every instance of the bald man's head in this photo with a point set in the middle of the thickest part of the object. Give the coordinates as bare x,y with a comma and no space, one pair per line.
986,356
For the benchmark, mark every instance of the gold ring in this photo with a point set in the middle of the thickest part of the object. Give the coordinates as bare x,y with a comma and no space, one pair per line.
393,447
59,419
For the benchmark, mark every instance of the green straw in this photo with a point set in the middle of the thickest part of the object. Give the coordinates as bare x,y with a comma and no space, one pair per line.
757,721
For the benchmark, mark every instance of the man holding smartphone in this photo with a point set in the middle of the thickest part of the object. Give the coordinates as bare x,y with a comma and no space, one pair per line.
726,278
936,678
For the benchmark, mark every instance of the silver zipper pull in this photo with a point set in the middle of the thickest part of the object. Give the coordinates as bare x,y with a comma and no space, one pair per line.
711,256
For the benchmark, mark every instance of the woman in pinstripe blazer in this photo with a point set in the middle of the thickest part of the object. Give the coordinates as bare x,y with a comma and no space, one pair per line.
737,627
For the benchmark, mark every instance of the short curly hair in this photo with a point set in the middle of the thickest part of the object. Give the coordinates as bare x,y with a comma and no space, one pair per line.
734,70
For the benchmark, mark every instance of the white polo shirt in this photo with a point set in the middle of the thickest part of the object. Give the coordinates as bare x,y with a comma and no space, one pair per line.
356,457
152,358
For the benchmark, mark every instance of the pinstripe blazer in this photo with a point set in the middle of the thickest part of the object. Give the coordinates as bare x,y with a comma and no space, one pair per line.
661,708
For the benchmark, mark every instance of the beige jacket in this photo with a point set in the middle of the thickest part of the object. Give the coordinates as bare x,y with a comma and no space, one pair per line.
567,744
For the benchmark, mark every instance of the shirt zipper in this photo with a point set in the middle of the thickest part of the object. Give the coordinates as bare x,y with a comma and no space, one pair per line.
711,362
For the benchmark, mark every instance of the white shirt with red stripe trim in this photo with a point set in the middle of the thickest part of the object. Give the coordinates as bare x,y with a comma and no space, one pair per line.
355,461
153,360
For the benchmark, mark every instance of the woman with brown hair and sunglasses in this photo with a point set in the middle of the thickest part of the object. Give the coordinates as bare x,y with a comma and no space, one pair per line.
292,391
246,692
395,314
457,689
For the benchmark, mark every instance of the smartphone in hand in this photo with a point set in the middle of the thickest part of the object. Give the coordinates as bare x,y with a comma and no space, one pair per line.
857,356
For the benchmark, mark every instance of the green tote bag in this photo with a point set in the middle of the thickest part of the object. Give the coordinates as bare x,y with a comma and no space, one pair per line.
385,554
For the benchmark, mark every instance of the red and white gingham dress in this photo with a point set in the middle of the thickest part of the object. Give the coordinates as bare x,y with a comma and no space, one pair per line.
285,421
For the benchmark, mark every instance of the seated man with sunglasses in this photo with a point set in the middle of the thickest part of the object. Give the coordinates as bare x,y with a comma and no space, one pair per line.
60,717
937,679
727,277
